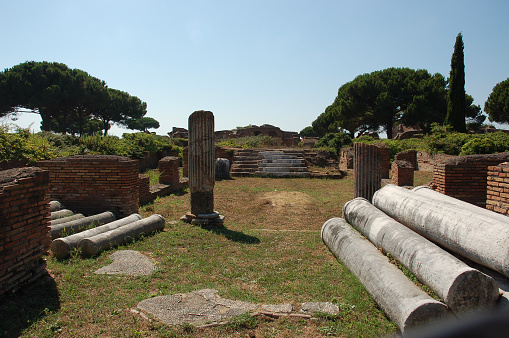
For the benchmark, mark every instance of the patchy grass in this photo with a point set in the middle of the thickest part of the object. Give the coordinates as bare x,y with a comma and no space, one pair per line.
269,251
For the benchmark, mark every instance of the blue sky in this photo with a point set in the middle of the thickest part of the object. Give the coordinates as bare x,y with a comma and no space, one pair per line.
252,62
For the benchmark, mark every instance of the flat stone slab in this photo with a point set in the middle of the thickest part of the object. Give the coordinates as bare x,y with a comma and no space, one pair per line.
312,307
128,262
205,306
195,308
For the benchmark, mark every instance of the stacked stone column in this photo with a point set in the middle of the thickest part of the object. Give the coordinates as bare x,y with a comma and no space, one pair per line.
201,159
366,168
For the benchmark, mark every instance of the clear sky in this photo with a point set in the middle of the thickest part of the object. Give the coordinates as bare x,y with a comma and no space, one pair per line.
252,62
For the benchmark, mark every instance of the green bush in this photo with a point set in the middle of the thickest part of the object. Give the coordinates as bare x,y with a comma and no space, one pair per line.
478,146
24,145
260,141
333,142
501,141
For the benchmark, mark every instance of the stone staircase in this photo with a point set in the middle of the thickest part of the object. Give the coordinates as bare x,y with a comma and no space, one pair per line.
280,163
245,162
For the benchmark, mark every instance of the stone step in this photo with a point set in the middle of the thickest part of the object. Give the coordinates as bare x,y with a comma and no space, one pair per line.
284,169
286,160
242,173
247,158
283,165
244,166
280,174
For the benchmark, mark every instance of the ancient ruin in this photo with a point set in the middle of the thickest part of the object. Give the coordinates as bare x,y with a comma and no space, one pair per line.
367,173
202,169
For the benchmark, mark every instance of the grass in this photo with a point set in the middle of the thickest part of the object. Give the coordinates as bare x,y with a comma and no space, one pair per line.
269,252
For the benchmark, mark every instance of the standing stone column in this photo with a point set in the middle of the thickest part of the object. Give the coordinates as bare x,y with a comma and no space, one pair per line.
201,159
366,168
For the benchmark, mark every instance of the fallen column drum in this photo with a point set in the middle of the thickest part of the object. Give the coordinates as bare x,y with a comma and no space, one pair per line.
61,247
463,289
402,300
473,236
92,245
68,228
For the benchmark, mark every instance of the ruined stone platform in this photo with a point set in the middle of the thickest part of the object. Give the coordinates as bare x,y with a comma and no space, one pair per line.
206,307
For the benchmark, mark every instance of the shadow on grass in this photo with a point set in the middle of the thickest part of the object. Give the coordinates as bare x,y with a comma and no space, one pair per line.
21,309
232,235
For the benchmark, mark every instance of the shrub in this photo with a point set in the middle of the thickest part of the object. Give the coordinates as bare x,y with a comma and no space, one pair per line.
500,140
260,141
478,146
24,145
333,142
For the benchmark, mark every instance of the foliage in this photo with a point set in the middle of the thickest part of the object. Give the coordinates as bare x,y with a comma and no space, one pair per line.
68,100
260,141
307,132
446,143
144,124
395,146
24,145
486,144
478,146
382,98
497,105
456,96
333,142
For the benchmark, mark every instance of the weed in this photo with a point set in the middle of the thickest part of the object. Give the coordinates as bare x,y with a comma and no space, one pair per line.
243,321
187,328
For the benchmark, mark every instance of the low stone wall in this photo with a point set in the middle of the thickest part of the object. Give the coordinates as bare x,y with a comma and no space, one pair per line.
402,173
465,177
92,184
498,188
24,230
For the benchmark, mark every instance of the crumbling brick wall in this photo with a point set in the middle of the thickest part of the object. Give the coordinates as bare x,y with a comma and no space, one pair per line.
385,159
410,156
465,177
92,184
169,170
24,230
402,173
346,158
498,188
144,189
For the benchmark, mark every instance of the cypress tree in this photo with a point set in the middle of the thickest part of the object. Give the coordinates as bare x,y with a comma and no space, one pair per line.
456,96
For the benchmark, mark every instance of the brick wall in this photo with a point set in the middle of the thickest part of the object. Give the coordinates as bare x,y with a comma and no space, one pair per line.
409,156
24,229
465,177
169,171
144,189
385,159
402,173
498,188
92,184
